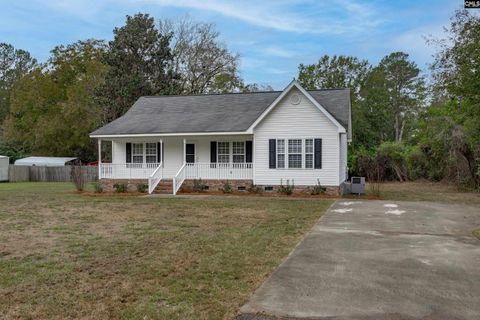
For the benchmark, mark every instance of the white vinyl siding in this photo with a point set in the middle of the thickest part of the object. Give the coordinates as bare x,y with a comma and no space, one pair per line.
300,121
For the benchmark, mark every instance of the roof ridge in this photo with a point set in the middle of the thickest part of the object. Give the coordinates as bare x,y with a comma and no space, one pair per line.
232,93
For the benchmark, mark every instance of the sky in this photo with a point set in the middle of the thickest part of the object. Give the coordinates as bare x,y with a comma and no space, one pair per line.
272,37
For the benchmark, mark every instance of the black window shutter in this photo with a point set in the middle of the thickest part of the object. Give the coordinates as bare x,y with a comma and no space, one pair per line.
318,154
248,151
272,153
213,151
159,152
128,153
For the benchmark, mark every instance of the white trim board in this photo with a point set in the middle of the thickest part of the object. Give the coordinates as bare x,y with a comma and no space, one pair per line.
133,135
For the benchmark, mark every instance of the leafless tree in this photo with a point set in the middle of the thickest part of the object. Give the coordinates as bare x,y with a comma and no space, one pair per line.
200,58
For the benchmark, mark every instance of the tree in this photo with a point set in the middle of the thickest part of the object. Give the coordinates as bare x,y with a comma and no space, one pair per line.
53,108
202,61
14,64
255,87
140,63
395,89
344,72
334,72
452,126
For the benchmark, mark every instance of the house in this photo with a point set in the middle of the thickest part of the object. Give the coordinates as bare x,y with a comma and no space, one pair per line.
259,138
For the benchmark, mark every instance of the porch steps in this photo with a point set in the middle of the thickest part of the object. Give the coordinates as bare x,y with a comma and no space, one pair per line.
164,187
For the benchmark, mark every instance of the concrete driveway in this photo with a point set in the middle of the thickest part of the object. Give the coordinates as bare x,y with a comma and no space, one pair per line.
379,260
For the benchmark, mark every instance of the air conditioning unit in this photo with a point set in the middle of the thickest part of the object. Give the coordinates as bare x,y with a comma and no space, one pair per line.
358,185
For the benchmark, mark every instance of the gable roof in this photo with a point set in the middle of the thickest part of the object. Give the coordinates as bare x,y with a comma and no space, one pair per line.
212,113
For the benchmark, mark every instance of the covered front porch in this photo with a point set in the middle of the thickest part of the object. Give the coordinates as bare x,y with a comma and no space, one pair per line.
177,159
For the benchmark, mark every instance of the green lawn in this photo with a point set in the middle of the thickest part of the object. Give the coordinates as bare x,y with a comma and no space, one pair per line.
67,255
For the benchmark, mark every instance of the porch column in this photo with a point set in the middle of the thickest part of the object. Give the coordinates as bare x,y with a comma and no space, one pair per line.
184,151
161,153
99,158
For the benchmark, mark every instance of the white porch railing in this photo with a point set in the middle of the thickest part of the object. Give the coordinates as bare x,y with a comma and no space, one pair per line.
179,179
219,171
155,178
126,170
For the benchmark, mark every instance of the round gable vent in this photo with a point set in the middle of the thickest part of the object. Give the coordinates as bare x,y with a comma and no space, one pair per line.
295,99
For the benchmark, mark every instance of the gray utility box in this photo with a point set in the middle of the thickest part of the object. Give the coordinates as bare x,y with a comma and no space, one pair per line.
358,185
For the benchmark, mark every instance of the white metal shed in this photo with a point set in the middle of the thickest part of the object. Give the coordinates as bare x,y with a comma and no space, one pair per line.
44,161
4,168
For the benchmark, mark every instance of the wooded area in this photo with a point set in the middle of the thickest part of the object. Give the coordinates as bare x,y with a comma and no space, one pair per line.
412,125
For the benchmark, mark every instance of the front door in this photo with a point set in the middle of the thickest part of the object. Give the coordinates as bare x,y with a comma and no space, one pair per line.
190,153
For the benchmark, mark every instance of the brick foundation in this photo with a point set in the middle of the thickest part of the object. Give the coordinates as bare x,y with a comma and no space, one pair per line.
107,184
238,186
218,185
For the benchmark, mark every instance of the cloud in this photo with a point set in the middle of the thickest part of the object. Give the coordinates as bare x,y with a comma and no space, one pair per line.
278,52
289,16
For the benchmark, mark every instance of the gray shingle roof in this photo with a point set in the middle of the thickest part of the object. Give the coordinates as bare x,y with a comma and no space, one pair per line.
233,112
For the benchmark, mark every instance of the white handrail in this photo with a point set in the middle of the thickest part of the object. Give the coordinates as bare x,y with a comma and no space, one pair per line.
179,179
155,178
126,170
219,171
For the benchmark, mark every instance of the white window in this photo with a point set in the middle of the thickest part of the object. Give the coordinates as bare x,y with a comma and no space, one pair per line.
238,151
295,153
151,152
309,153
281,153
137,152
223,152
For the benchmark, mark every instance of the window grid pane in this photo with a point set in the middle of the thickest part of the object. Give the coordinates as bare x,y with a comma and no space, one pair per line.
281,161
223,150
308,145
238,158
151,152
309,153
238,151
295,146
281,146
137,152
295,161
309,161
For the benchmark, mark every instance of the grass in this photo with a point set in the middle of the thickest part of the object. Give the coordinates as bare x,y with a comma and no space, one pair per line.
67,255
424,191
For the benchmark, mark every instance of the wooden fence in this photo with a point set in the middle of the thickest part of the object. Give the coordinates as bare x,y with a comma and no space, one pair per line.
41,173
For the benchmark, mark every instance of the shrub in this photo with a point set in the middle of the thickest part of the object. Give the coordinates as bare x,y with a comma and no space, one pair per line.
286,189
79,178
227,187
142,187
253,188
317,189
394,155
120,187
199,185
97,187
